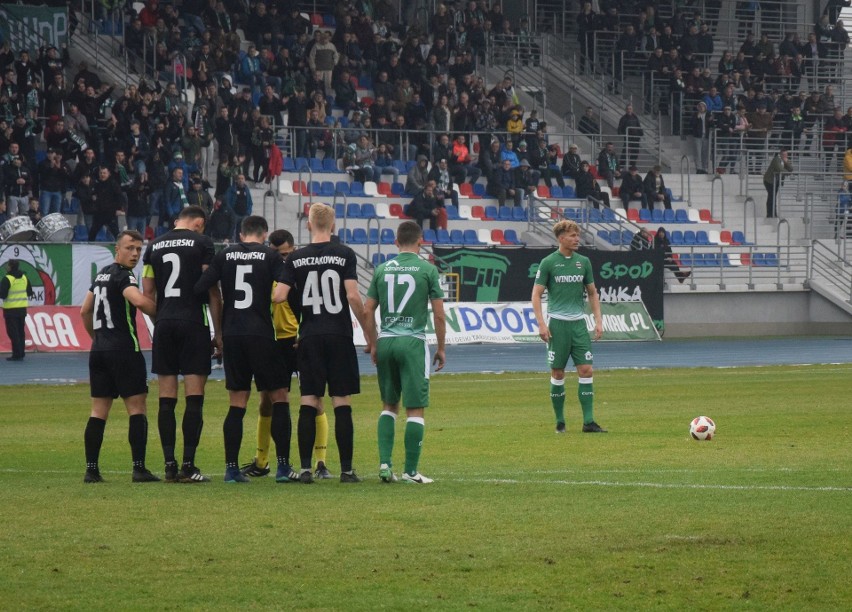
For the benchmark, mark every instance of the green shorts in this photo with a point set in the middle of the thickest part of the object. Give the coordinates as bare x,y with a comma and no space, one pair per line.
568,339
403,369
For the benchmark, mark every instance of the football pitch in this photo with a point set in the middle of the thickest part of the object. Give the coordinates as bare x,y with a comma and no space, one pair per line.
518,517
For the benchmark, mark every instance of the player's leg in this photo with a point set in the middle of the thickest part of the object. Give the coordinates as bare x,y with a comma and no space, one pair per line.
167,422
558,350
312,382
93,437
321,444
415,362
260,464
137,435
344,380
282,433
273,377
583,358
193,423
238,377
390,390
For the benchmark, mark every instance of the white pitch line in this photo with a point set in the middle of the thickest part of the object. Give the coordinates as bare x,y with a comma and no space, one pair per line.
655,485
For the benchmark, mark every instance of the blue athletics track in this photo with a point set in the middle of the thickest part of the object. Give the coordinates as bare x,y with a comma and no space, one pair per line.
68,368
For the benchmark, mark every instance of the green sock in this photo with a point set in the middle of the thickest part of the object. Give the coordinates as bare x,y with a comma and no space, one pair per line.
586,393
557,398
387,423
414,427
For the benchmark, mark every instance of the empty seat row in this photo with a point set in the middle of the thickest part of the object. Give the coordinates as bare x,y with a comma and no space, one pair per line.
698,260
471,237
701,238
360,235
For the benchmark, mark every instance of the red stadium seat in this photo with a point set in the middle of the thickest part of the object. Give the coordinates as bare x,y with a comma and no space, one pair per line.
466,190
615,191
633,215
594,171
725,237
497,236
477,212
316,20
384,189
543,191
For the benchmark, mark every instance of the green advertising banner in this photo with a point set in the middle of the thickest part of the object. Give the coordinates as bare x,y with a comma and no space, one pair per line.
48,267
29,27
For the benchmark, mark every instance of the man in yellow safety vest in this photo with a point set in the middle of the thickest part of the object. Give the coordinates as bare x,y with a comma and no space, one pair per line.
15,290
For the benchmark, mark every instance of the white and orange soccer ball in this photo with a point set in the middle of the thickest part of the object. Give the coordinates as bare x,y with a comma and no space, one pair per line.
702,428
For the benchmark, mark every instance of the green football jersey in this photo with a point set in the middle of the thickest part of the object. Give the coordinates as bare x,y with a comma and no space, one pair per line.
403,287
565,279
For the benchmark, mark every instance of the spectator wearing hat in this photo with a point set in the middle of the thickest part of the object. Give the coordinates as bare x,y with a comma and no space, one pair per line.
220,225
509,153
571,162
608,167
632,188
199,196
515,126
178,161
655,188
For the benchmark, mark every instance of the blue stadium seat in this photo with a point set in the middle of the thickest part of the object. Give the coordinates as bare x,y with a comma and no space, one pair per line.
671,195
556,192
399,165
686,260
359,235
327,189
328,21
668,216
452,212
344,121
339,211
373,235
457,236
604,235
689,237
81,233
345,235
387,236
353,210
302,163
572,213
595,215
739,237
316,164
676,238
389,256
329,164
409,165
491,212
656,216
712,259
697,260
568,192
377,259
644,215
608,215
681,216
505,213
770,259
365,82
315,188
329,120
519,213
368,211
429,236
342,187
356,189
471,239
442,236
626,236
397,189
511,236
702,238
479,190
289,165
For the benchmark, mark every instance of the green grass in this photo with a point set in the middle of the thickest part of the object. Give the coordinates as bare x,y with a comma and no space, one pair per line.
518,518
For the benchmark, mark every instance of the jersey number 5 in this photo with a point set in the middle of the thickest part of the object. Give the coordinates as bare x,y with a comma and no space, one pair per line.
242,285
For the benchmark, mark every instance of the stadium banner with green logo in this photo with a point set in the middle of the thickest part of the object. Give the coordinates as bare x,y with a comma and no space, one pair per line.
28,27
507,275
509,323
48,268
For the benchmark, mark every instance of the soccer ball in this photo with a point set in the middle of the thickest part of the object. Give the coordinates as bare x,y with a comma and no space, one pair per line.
702,428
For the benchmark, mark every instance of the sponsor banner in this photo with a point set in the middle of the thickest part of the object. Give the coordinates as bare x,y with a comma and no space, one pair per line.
507,275
48,268
53,329
508,323
27,27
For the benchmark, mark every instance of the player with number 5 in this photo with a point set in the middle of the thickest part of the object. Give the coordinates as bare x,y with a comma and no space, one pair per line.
324,276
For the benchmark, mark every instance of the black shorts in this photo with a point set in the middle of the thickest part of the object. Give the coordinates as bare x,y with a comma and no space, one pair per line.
245,357
286,353
328,360
180,347
117,374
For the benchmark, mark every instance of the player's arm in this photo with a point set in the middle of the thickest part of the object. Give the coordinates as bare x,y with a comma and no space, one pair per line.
149,283
353,296
280,293
370,324
595,304
543,330
440,321
87,313
140,300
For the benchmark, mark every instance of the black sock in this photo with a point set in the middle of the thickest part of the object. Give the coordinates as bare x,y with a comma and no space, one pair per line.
282,430
344,434
233,430
166,423
93,438
137,435
193,421
307,432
